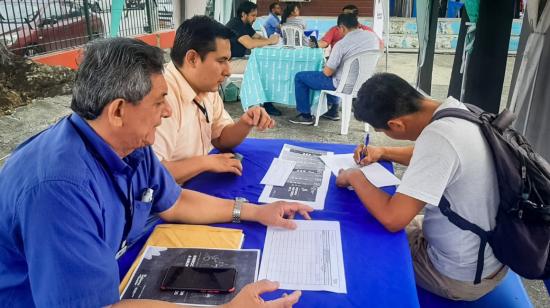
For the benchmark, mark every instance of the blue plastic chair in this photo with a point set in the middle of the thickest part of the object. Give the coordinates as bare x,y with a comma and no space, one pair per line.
510,293
453,9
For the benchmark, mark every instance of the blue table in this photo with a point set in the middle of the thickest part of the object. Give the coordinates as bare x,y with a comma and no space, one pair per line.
377,263
269,74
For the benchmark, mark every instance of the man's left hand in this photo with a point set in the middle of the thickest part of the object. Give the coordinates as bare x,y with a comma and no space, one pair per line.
344,176
281,213
258,117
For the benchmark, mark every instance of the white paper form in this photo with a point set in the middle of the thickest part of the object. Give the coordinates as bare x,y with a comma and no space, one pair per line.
278,172
308,182
375,173
307,258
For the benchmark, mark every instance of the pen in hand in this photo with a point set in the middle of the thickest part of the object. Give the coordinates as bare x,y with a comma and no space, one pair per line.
363,155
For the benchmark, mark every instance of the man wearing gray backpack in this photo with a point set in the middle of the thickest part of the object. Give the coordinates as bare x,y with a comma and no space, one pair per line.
484,191
450,159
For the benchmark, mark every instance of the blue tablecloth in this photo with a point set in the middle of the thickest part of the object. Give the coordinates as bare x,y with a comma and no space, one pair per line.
377,263
269,74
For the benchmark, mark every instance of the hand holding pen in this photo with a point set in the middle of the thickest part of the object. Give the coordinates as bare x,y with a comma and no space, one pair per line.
361,151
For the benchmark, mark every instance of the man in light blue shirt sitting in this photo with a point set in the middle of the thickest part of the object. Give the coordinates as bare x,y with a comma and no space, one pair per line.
273,24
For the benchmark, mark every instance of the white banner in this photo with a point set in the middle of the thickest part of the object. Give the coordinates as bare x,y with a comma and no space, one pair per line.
378,19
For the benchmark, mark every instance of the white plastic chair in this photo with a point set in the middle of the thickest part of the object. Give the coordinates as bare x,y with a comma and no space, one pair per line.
292,35
356,71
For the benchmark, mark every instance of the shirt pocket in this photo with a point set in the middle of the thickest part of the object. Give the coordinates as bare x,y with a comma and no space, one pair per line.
142,211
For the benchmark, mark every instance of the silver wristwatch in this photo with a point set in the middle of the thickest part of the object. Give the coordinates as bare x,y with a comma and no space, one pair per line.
236,216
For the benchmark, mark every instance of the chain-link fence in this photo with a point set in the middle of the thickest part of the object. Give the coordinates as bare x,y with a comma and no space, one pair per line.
30,27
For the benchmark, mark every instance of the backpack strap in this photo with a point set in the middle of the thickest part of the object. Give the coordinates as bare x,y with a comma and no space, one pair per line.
475,115
472,116
459,221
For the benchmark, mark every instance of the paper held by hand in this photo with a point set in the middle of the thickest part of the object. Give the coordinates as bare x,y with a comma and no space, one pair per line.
375,173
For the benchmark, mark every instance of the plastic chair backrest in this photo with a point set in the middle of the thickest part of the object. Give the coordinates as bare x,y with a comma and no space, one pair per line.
293,36
357,70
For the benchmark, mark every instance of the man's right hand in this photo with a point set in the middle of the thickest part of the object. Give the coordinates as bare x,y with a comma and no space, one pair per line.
225,162
371,154
249,296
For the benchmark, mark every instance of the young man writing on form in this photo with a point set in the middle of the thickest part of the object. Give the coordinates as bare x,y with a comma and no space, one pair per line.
450,159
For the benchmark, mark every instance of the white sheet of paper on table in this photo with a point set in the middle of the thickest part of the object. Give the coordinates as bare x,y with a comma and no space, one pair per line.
307,258
278,172
375,173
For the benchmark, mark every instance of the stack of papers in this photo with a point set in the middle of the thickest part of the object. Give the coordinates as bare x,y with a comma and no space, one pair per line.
307,182
156,260
180,235
375,173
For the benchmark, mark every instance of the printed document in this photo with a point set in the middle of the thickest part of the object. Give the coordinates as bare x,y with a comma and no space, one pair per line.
307,258
308,181
278,172
375,173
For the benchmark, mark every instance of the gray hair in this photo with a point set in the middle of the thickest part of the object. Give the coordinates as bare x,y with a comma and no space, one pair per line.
114,68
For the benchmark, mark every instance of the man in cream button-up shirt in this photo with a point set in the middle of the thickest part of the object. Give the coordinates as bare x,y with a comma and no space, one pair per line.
199,122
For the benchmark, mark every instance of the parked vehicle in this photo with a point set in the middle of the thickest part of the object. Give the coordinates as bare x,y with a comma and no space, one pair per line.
28,28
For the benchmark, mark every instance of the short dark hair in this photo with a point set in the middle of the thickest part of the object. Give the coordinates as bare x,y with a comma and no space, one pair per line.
198,33
246,7
347,20
383,97
350,7
272,6
114,68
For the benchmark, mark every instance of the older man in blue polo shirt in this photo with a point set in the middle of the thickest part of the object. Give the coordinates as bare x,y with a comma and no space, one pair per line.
71,196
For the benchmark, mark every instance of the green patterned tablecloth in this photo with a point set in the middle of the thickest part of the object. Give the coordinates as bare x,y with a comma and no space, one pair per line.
269,74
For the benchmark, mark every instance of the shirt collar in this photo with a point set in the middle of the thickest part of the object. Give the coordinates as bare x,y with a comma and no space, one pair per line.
103,151
183,89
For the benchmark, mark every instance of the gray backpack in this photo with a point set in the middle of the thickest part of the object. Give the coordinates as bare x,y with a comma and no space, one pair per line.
521,237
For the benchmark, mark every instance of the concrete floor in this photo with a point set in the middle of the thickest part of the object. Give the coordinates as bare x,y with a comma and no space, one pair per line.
33,118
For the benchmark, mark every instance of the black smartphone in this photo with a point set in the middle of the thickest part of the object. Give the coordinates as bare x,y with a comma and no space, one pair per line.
200,279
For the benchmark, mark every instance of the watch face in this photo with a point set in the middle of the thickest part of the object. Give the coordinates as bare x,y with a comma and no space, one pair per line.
241,199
